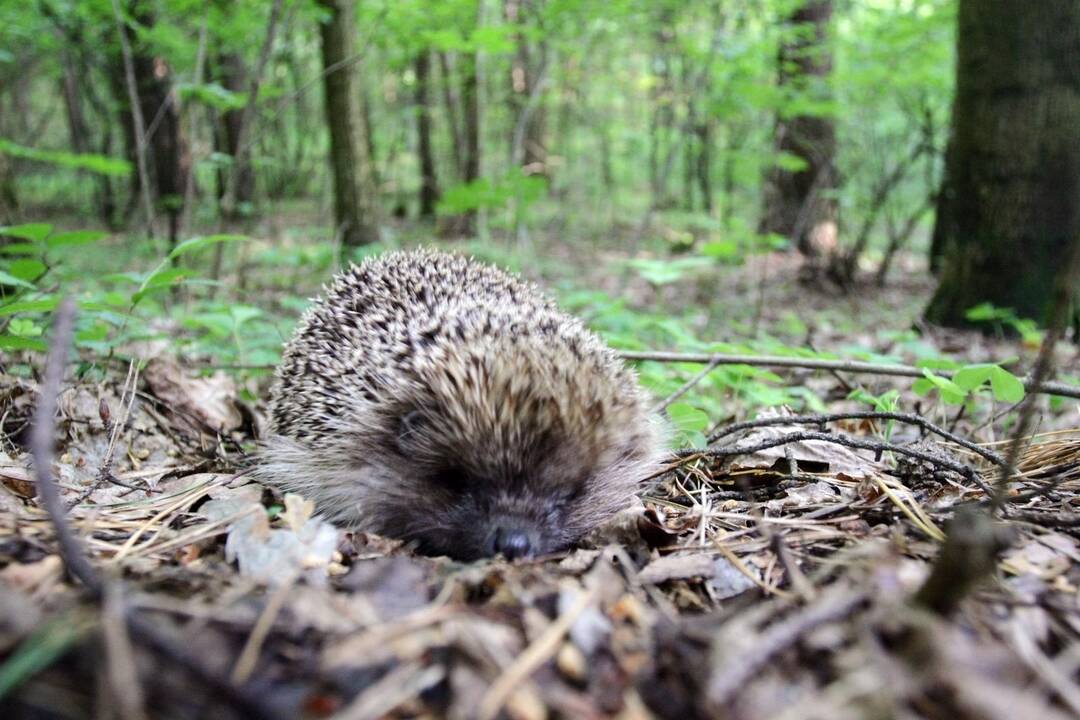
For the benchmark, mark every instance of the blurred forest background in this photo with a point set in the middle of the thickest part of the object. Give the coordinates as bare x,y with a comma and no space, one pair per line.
789,177
866,212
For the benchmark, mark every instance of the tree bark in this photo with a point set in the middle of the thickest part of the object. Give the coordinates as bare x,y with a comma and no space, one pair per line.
797,202
233,77
1009,208
528,66
354,201
429,185
80,137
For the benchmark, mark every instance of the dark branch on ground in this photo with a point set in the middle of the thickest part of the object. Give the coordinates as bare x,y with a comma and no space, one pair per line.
243,699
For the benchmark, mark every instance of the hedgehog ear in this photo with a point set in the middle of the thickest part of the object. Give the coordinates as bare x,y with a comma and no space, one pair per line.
409,425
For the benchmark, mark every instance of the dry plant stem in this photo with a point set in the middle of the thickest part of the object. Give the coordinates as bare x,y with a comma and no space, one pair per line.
852,366
908,418
249,656
247,703
137,119
724,686
527,662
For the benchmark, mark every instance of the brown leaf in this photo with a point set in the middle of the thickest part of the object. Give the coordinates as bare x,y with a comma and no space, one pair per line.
211,400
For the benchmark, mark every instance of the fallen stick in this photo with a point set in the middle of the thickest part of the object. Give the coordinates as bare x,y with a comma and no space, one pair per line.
852,366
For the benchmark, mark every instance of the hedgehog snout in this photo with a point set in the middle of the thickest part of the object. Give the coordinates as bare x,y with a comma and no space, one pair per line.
513,540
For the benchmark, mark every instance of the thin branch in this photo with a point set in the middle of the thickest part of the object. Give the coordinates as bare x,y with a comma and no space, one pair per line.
41,446
687,386
861,415
852,366
726,684
1064,289
244,700
876,446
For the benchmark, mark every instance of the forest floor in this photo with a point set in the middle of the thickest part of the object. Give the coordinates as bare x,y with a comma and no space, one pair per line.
785,574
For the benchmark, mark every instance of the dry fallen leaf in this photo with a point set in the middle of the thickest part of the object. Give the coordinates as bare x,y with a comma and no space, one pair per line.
211,400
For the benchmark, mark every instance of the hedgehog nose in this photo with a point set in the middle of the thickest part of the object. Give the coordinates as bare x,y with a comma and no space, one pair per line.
512,543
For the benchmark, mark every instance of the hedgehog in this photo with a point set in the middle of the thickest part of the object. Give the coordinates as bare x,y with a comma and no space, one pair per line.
444,402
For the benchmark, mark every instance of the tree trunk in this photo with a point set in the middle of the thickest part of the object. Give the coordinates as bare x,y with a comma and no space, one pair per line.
168,149
662,96
452,102
80,137
233,77
704,162
429,185
1009,209
797,202
527,68
354,201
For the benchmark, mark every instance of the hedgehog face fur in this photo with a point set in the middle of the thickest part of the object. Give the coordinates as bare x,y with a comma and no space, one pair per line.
434,399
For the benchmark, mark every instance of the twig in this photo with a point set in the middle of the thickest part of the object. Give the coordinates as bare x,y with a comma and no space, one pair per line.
41,445
245,701
527,662
852,366
687,386
723,686
875,445
249,656
909,418
969,554
1061,302
120,660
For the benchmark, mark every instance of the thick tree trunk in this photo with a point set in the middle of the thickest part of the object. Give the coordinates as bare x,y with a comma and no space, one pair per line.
80,137
1009,208
233,77
354,196
797,203
168,150
527,68
429,185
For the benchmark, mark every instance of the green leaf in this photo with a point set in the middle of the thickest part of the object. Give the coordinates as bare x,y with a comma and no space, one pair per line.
101,164
721,249
16,342
973,376
687,418
27,268
1006,386
951,393
42,305
24,327
7,279
159,279
197,243
19,249
50,641
77,237
34,232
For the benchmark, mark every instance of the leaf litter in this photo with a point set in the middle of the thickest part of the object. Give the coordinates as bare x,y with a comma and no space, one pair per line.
775,583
